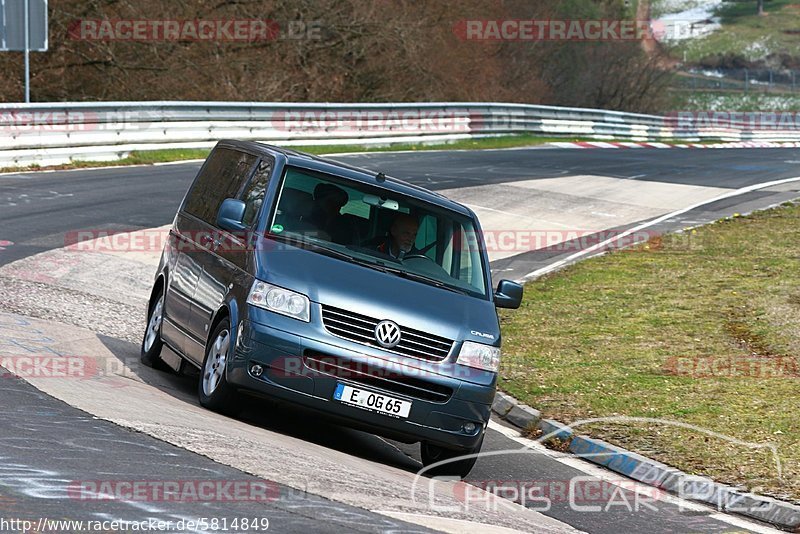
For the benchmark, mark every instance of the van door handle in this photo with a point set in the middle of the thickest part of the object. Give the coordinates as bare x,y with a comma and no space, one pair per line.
210,242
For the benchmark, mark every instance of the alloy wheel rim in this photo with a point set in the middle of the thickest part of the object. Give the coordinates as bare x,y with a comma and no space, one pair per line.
215,362
154,325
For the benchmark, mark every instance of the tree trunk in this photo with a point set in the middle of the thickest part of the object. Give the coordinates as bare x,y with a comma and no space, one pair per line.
760,4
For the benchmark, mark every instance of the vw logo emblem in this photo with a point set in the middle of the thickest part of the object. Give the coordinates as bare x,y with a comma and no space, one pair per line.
387,333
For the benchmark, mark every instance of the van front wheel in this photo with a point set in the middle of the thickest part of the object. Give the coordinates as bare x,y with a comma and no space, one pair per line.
213,390
456,466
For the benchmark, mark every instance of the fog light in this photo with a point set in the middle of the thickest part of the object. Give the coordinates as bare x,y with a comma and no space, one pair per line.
256,370
469,428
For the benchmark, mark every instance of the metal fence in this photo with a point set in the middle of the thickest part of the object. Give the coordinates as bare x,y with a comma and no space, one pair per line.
57,133
740,80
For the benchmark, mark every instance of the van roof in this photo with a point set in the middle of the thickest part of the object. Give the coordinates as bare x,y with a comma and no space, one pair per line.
329,166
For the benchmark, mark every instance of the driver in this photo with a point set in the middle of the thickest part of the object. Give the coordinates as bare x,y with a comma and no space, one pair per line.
401,238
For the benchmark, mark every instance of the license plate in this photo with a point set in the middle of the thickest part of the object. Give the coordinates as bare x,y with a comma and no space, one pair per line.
370,400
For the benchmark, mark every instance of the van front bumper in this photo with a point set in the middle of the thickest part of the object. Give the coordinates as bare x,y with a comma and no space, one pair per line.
305,371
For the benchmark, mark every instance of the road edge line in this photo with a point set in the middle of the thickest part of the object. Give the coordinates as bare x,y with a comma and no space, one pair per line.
602,245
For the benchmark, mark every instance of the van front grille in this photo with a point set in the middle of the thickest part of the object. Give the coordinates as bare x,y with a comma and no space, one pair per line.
361,329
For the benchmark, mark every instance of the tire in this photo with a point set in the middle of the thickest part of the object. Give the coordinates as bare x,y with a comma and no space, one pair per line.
458,468
151,341
213,389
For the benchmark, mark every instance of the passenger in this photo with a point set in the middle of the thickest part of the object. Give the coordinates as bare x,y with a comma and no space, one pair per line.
401,238
326,214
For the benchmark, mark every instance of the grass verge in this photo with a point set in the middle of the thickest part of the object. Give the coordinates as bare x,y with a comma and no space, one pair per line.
732,101
147,157
700,328
163,156
746,34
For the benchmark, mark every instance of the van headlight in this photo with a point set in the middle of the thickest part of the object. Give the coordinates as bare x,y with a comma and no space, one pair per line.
479,356
279,300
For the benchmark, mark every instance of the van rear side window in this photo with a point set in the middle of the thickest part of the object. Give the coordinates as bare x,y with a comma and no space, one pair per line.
223,175
253,195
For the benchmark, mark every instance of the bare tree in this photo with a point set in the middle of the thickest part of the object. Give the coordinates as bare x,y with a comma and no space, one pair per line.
364,51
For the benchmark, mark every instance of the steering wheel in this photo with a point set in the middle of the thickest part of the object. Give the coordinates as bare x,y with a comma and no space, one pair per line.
428,266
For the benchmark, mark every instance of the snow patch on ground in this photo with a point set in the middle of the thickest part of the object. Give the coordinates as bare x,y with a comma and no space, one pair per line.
676,20
660,8
758,49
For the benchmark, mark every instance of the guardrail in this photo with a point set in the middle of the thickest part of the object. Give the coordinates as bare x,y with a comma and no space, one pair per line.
56,133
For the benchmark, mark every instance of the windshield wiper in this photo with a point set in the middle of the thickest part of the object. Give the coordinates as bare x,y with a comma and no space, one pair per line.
424,279
301,241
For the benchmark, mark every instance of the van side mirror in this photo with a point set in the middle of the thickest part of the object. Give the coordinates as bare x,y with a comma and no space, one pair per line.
508,295
231,215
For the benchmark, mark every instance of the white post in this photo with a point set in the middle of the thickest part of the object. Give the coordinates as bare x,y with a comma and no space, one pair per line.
27,54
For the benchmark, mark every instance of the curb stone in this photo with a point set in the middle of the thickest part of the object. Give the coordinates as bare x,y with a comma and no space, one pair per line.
523,416
555,430
782,514
502,404
630,464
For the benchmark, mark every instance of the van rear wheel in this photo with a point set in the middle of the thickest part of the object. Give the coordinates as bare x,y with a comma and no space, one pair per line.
151,342
214,391
458,467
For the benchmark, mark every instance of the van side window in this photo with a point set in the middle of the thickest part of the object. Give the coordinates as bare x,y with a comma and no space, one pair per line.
256,189
222,176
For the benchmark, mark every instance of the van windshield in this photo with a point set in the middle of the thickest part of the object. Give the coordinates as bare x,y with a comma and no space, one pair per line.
380,229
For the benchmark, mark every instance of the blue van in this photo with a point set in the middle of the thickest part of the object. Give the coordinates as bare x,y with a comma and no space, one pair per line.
345,291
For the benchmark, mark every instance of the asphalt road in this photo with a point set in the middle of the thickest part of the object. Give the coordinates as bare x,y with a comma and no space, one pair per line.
38,209
62,465
733,168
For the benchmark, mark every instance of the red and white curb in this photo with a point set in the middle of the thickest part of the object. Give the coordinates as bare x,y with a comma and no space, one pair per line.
621,144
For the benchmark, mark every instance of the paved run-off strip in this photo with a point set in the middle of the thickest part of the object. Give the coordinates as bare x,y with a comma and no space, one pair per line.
111,385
